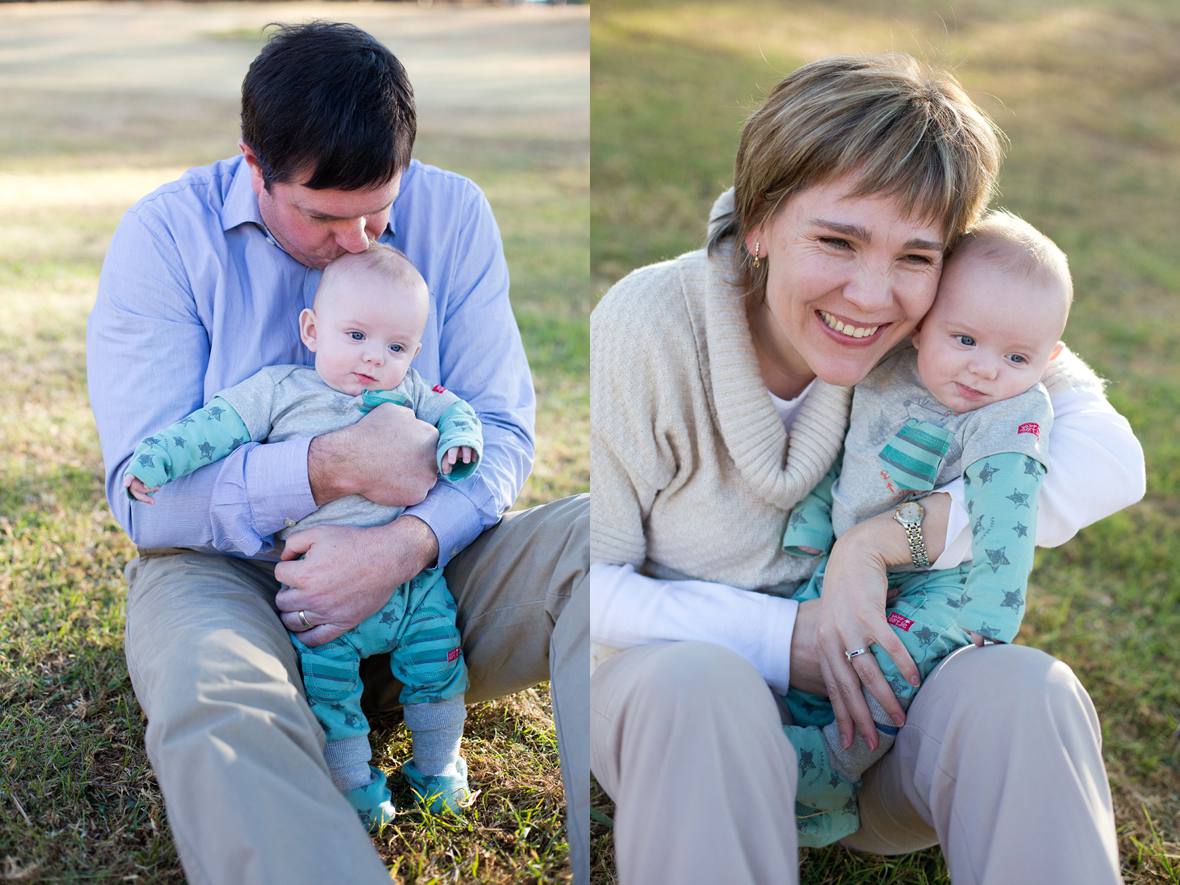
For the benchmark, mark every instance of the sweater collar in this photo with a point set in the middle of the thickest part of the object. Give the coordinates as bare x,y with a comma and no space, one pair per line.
780,470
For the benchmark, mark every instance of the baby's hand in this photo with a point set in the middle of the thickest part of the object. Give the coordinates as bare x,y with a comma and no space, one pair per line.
452,456
139,491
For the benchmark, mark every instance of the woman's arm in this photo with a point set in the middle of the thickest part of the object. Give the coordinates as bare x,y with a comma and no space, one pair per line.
629,609
1095,468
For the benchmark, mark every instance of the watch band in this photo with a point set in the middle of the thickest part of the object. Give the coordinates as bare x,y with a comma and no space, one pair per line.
913,535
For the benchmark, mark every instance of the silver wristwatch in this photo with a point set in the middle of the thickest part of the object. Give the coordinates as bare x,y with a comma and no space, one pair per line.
910,515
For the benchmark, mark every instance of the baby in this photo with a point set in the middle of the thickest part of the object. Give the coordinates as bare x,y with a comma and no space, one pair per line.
964,401
365,327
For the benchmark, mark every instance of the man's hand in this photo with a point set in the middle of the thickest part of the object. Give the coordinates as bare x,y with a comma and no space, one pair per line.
387,456
347,574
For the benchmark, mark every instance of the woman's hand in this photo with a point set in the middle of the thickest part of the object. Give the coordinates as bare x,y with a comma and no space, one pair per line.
851,615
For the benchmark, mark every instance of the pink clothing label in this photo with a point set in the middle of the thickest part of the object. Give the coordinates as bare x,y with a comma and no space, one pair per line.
1031,427
899,620
438,388
453,655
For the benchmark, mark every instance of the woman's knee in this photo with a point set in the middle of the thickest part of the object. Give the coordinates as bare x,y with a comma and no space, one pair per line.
697,686
1007,684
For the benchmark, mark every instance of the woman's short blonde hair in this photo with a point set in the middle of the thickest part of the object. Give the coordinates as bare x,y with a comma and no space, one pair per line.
907,131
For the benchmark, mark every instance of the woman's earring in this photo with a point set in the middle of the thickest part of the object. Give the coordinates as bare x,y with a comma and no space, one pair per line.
757,255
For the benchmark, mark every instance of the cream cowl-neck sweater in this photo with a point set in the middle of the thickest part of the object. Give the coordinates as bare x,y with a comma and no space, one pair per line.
692,473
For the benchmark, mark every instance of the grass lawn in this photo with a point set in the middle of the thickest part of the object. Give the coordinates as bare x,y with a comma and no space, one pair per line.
1088,93
101,104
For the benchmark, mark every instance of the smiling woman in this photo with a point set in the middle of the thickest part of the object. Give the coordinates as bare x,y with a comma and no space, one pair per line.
852,182
847,279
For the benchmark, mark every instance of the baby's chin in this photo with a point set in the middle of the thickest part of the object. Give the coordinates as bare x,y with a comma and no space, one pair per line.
353,387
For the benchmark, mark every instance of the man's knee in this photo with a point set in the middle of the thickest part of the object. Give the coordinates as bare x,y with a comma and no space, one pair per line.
219,684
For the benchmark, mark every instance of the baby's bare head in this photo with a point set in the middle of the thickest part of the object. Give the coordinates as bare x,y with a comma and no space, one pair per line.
366,324
377,280
996,323
1032,263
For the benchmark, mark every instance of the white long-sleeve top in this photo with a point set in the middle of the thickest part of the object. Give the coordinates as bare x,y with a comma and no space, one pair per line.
1096,468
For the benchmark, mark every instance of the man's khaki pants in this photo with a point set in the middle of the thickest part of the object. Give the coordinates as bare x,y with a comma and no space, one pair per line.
237,752
1000,763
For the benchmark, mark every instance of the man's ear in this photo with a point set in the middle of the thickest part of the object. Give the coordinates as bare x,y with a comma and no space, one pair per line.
256,179
1056,350
307,330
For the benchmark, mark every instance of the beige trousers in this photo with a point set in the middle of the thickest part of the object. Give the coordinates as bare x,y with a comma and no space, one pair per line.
1000,762
238,754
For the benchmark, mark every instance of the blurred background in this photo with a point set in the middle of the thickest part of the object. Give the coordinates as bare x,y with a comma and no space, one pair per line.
1089,93
101,103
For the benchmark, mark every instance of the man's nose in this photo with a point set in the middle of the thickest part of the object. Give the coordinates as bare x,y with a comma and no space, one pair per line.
351,235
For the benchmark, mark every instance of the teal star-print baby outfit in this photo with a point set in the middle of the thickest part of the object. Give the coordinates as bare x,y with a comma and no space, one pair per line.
416,626
901,444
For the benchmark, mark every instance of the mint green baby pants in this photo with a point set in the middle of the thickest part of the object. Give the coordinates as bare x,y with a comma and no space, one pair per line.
417,627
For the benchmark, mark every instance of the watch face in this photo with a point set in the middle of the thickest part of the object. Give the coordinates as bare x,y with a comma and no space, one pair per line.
911,513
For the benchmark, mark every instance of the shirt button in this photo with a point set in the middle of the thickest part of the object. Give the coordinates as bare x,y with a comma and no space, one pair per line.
288,522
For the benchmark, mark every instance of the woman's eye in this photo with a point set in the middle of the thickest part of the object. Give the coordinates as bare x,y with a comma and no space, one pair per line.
357,336
836,243
919,259
965,340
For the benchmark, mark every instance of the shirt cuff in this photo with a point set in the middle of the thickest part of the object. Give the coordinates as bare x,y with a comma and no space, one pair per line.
277,484
773,655
957,548
452,517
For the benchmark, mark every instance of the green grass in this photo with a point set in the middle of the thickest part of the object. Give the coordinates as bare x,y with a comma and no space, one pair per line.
1087,92
77,797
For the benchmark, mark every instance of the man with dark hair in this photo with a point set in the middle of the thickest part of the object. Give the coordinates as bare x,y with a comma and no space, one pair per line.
198,291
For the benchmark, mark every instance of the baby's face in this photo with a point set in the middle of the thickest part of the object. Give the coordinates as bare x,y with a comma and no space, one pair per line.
365,331
989,335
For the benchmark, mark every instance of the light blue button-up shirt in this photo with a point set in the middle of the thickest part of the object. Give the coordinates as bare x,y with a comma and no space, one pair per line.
195,296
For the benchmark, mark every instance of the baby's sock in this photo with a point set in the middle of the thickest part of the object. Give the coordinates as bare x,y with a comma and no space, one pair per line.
437,729
348,762
856,760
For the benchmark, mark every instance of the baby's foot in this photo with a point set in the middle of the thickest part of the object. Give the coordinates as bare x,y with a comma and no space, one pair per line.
441,792
372,801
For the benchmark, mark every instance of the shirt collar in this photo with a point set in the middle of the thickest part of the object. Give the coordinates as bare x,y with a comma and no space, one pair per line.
241,205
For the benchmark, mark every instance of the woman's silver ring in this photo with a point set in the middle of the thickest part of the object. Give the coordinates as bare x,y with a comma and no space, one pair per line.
850,654
302,615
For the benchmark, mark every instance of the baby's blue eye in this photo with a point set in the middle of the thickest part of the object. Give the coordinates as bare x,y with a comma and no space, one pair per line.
357,336
396,348
1017,358
965,340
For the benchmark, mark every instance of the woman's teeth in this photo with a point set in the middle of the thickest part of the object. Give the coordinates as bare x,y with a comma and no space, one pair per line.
845,329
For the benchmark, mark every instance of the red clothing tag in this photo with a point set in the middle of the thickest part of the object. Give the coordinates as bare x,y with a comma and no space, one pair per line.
1031,427
896,619
438,388
453,655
